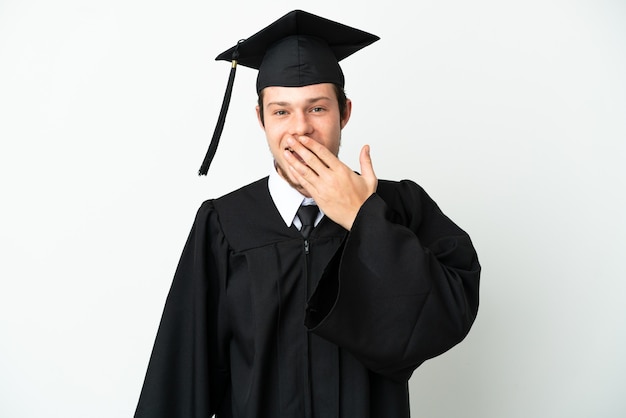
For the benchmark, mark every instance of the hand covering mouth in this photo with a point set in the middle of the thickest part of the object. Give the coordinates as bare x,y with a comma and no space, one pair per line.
295,154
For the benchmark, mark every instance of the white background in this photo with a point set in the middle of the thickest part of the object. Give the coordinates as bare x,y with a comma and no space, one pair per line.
512,115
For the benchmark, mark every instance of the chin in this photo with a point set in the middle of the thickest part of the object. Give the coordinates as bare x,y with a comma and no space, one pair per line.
290,180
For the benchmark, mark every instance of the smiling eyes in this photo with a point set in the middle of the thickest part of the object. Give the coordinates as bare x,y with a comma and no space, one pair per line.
283,112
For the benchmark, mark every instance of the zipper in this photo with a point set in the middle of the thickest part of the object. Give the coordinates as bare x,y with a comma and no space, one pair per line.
308,394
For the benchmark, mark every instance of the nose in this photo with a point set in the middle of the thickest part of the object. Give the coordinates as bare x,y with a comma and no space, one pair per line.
301,124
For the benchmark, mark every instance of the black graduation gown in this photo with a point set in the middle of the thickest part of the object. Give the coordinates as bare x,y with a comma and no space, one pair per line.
260,324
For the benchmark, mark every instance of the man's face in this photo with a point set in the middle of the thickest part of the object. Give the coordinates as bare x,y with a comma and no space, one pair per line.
311,111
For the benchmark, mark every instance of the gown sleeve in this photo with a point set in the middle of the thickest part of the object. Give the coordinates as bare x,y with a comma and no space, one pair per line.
184,376
404,287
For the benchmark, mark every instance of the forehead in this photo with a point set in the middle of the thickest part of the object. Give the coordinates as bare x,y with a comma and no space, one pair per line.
294,95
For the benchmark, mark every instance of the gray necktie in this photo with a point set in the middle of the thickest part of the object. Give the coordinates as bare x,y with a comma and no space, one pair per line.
307,215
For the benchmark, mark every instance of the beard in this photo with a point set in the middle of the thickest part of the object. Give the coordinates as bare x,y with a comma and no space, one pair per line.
281,172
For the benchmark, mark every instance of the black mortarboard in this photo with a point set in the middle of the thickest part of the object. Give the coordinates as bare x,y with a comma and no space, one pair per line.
299,49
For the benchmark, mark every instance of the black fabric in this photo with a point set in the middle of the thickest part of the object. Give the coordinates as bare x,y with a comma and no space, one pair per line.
298,61
217,133
299,49
243,336
307,215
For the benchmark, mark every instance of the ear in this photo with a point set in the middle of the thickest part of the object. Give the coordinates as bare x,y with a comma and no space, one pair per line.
258,117
346,114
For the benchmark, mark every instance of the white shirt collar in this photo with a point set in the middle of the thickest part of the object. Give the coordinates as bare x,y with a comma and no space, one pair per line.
287,199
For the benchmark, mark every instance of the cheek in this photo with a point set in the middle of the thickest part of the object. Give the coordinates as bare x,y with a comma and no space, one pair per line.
273,132
274,141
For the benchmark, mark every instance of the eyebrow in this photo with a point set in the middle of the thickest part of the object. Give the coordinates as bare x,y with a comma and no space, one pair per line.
308,101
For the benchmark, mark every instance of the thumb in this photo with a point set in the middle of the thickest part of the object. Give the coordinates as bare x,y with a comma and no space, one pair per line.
367,169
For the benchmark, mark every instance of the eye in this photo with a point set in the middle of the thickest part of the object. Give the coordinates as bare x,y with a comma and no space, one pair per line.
317,109
280,112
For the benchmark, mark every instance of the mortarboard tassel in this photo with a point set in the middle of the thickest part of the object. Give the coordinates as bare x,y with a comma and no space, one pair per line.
204,168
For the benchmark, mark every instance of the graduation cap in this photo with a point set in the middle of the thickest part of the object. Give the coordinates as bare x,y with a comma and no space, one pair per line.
299,49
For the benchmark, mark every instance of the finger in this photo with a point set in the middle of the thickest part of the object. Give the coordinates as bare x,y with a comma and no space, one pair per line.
321,152
296,162
306,176
307,157
303,174
365,159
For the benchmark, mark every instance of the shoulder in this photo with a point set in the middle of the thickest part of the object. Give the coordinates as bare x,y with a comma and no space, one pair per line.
398,185
247,193
237,198
401,192
214,214
407,202
247,216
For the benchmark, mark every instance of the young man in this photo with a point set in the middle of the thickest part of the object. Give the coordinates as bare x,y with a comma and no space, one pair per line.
276,312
